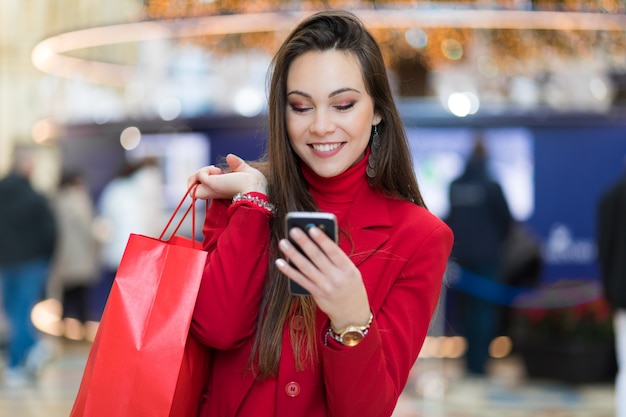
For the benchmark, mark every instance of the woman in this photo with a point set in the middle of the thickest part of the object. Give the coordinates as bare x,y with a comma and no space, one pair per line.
76,262
336,144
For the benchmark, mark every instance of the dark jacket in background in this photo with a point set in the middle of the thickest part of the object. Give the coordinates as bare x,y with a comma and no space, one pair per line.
27,223
479,217
611,237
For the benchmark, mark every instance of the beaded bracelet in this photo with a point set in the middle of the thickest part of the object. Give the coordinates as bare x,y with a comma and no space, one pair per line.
257,199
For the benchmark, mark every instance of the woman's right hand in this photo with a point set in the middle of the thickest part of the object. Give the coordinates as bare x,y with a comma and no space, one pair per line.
214,183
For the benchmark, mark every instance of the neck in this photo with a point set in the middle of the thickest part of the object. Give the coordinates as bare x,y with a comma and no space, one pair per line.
335,194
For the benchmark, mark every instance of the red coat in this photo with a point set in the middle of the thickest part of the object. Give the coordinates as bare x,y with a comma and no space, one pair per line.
401,250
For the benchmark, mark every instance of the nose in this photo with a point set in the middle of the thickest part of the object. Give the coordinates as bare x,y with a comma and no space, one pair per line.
322,123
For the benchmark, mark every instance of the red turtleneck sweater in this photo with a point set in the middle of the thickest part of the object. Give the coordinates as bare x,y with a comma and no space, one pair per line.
336,194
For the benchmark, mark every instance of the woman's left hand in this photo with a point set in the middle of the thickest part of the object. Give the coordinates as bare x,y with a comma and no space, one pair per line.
329,275
213,183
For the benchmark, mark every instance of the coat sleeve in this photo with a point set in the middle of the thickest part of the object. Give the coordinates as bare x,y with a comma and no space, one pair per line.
368,379
227,307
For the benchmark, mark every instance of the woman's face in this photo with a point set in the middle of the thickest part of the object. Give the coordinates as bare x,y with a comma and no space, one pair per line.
329,112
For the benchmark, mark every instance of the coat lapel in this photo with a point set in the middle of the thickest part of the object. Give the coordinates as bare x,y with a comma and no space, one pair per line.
367,225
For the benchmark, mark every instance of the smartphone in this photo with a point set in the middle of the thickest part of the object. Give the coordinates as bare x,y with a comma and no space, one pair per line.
326,222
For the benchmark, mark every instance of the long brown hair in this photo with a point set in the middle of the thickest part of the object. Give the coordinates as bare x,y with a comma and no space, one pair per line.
287,188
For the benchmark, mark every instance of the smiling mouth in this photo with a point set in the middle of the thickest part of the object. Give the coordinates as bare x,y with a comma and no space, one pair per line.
325,147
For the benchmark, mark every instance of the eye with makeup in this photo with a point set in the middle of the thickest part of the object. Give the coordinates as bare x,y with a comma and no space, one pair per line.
345,107
298,108
301,109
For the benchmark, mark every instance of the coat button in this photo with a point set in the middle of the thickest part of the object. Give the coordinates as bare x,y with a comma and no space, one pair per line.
297,323
292,389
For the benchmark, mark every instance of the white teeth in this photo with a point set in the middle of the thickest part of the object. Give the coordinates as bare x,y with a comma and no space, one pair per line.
325,147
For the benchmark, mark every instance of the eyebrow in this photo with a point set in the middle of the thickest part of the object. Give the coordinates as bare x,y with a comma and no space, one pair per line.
334,93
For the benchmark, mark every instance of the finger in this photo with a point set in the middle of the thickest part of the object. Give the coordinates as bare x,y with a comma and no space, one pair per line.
317,245
193,180
208,170
253,179
325,245
295,275
201,179
300,261
292,253
236,163
317,259
213,170
292,267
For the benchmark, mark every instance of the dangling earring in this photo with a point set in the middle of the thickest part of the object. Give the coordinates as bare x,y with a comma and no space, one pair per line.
371,163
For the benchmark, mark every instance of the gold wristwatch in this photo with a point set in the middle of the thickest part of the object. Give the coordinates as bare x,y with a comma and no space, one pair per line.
352,334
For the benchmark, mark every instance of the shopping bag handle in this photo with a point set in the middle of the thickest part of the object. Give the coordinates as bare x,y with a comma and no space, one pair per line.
190,191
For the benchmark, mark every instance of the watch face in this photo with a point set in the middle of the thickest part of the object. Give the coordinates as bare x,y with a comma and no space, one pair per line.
352,338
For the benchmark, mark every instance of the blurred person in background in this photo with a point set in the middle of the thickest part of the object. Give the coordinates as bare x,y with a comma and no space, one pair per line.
28,234
611,239
76,261
481,221
132,202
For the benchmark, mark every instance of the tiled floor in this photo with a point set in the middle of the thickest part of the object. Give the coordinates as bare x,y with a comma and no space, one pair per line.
436,389
507,392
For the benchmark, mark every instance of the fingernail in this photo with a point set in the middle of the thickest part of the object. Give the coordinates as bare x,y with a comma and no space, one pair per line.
280,263
284,244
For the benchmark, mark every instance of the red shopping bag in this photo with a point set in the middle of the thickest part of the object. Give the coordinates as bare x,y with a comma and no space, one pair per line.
144,361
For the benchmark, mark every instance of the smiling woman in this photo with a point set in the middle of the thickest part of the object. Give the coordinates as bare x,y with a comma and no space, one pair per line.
336,144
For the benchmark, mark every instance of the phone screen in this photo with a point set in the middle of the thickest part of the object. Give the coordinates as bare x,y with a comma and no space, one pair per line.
327,222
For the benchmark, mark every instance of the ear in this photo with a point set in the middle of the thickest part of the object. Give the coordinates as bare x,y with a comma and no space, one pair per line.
376,119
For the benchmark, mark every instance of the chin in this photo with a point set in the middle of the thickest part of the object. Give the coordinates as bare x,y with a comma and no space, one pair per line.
329,173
